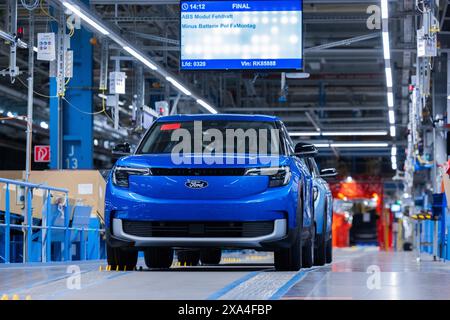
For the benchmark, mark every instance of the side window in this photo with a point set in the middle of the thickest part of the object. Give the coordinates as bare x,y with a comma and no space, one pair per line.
288,141
312,165
305,165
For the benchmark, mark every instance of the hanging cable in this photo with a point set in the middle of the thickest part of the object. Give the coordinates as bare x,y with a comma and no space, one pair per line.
37,93
46,12
31,6
84,112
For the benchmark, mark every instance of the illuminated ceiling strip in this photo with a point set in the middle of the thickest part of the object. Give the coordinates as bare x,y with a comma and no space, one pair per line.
338,133
353,145
359,145
387,60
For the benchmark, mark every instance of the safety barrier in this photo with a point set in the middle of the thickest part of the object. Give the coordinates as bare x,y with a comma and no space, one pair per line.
432,229
47,223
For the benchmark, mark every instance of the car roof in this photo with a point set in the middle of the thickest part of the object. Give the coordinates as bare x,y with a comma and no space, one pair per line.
229,117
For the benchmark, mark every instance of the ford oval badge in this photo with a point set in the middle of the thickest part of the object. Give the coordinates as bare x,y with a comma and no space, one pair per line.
196,184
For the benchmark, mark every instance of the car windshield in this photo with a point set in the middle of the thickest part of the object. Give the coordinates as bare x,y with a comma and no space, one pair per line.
213,137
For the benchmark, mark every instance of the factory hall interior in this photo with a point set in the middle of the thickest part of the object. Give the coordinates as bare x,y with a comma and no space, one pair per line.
200,150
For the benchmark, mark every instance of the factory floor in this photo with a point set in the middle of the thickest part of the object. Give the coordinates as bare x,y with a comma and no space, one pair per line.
356,273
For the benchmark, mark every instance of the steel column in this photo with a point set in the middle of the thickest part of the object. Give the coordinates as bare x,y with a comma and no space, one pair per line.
67,242
76,125
28,230
30,95
8,226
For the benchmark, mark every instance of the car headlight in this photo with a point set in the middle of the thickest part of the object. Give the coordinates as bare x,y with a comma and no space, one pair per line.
278,176
120,176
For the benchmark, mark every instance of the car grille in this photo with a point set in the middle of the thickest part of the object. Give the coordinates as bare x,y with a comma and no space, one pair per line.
198,229
198,171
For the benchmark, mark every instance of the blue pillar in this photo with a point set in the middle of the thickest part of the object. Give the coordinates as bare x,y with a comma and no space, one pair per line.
77,118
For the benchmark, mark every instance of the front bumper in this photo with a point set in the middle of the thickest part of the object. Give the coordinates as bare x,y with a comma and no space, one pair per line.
121,239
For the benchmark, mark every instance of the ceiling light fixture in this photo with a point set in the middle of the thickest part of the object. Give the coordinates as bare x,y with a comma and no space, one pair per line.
354,133
206,106
359,145
390,97
389,83
140,57
391,117
178,86
305,134
386,46
393,131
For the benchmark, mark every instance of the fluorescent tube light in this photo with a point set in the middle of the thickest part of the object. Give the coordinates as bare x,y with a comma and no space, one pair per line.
322,145
389,83
304,134
206,106
394,151
393,131
141,58
394,166
384,9
391,117
359,145
178,86
390,98
386,46
88,20
355,133
393,159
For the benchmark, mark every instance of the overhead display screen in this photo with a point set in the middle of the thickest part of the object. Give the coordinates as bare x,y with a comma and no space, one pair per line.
241,35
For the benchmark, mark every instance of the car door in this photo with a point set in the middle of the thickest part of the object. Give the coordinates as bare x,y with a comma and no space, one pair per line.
308,208
318,195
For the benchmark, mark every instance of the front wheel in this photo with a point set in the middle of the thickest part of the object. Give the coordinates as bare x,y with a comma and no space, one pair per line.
158,258
320,253
121,259
308,254
329,252
289,259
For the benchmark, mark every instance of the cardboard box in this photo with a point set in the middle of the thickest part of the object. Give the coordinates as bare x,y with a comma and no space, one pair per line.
85,187
17,198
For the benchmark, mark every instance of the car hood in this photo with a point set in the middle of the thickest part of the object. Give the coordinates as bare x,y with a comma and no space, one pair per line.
201,161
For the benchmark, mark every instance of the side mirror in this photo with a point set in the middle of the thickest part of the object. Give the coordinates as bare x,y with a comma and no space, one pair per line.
122,149
327,173
305,150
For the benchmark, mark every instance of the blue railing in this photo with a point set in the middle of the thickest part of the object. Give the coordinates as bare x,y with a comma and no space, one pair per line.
47,223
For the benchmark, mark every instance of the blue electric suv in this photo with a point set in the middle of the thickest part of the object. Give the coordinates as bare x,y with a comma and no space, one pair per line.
323,212
198,184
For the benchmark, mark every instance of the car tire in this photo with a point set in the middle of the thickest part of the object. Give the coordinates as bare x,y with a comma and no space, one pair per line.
188,257
308,254
289,259
158,258
320,253
121,259
329,251
211,256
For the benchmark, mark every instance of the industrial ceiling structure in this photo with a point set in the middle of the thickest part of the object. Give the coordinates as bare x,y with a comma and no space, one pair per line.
343,106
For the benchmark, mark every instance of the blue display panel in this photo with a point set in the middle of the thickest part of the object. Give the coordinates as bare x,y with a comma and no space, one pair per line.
241,35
